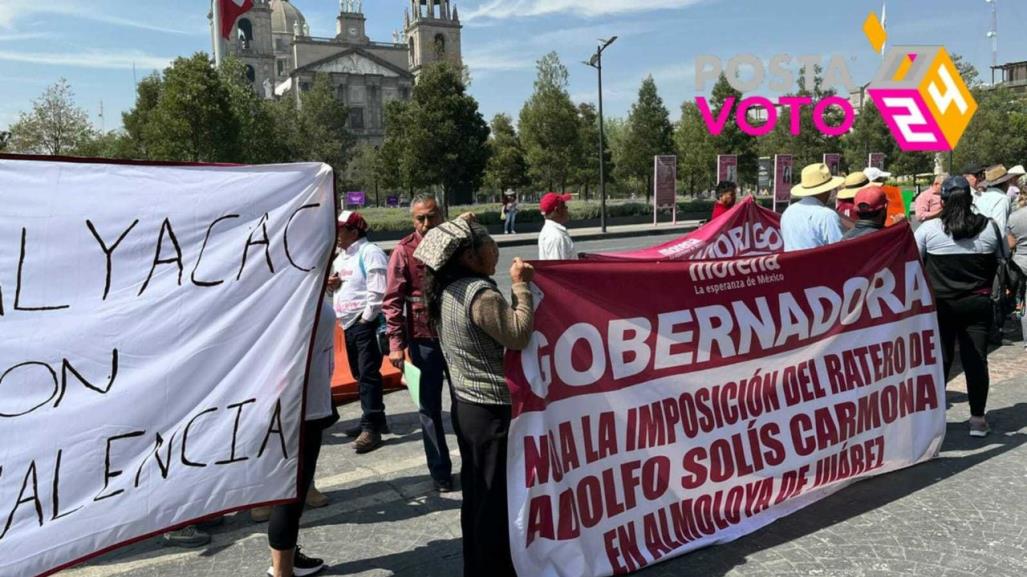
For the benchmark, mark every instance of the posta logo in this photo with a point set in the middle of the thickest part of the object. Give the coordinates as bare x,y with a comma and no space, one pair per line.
920,94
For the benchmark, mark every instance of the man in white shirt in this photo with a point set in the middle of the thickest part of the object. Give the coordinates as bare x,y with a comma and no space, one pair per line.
994,201
810,222
359,282
554,242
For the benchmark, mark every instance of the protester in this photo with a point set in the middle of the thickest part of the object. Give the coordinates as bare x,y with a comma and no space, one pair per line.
928,203
509,213
961,251
1018,173
360,271
1017,236
872,211
993,202
844,204
283,529
974,174
809,223
554,242
727,193
476,325
409,332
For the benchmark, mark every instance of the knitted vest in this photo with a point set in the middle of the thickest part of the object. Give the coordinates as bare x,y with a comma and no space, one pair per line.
475,359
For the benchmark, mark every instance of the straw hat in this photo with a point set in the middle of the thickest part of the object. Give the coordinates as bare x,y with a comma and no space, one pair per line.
816,179
1017,170
853,183
997,175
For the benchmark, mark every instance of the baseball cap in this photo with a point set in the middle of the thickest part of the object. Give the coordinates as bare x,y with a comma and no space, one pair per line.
352,219
954,184
551,201
873,173
871,199
974,168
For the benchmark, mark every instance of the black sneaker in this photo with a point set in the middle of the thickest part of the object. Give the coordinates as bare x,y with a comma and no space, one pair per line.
302,565
444,485
354,431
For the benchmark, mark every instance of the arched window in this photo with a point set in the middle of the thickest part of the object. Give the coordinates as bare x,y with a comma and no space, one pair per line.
246,29
251,74
440,45
413,52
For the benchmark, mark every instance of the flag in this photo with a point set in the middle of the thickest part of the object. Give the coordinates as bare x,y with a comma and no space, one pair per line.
231,10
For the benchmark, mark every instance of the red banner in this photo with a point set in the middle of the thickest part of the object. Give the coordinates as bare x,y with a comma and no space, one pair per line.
747,229
684,404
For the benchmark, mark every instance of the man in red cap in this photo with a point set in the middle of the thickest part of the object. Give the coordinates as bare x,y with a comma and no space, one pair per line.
359,285
872,208
554,242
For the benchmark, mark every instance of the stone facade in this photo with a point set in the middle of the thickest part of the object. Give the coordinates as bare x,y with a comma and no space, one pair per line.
273,40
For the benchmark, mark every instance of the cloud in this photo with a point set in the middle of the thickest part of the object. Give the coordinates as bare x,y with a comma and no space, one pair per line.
87,59
17,37
504,9
12,10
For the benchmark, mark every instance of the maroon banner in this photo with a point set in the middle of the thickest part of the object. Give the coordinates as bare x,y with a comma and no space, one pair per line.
783,178
876,160
834,163
747,229
686,404
727,168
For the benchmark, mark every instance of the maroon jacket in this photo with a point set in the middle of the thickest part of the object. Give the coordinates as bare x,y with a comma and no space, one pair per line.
406,313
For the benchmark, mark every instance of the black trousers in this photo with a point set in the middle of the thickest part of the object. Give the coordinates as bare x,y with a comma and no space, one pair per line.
365,363
283,528
969,321
427,356
482,433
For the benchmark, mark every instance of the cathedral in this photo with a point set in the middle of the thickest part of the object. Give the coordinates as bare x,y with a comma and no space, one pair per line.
273,40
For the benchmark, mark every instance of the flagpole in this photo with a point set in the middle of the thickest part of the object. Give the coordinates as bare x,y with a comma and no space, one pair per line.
216,31
884,24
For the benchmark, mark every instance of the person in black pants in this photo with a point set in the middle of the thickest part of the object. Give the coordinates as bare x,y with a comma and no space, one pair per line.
358,287
961,251
284,526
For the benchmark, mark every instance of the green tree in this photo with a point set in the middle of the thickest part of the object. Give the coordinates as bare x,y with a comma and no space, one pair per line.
322,132
363,171
261,141
587,174
394,159
732,140
997,132
113,144
136,120
55,126
194,118
507,168
696,156
550,130
446,135
649,134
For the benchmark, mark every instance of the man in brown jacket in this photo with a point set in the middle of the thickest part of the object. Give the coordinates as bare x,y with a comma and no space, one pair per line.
407,325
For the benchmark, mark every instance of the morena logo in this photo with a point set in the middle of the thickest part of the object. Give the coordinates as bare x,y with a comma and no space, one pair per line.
918,91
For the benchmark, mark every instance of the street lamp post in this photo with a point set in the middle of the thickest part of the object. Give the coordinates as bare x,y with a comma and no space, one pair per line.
597,62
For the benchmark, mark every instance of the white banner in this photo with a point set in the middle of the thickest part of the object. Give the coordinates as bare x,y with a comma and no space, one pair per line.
156,326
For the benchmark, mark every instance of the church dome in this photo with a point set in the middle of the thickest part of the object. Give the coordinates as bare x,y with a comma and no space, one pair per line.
284,17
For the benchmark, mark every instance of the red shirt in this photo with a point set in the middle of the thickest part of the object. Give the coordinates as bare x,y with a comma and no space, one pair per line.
720,208
406,313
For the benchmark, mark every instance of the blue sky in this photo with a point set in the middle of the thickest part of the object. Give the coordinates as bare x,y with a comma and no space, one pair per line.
95,43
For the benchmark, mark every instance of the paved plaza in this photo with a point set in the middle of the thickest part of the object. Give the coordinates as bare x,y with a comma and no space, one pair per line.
963,514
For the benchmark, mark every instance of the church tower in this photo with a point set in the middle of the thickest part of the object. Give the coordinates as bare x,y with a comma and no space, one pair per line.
351,24
433,34
250,42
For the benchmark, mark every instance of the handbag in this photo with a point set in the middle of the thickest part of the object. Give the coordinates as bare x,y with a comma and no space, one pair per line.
1007,276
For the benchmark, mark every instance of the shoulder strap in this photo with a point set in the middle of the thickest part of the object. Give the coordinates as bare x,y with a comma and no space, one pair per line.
1001,248
360,259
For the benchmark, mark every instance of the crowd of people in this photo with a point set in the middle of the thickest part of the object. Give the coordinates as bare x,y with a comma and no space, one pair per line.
434,303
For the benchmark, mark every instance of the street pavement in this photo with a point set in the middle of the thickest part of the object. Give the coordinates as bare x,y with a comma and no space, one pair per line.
963,514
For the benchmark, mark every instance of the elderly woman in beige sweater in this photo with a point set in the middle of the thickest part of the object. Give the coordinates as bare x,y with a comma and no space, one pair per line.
476,325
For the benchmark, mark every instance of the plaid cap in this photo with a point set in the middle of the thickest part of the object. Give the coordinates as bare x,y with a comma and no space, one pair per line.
442,242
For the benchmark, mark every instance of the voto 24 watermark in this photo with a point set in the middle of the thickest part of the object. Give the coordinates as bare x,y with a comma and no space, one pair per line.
917,90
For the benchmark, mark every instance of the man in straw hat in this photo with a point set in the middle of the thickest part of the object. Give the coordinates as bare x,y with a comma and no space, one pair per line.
994,202
853,183
1018,172
810,223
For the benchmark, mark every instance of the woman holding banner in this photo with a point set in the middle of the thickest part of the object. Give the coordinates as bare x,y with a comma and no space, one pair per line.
961,251
476,325
284,526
